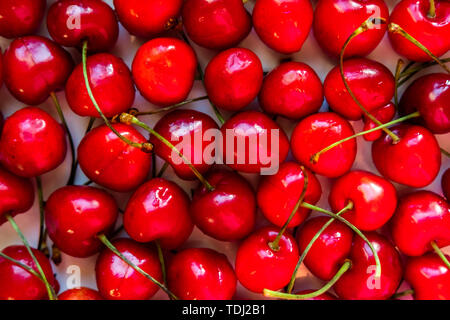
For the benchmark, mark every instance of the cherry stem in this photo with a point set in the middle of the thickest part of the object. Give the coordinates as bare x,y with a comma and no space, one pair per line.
398,72
275,245
440,254
310,244
408,74
170,108
163,169
88,183
20,264
111,247
42,242
402,294
445,153
161,260
288,296
432,10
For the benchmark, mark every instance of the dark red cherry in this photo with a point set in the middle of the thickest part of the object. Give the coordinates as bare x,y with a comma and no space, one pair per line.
233,78
384,114
80,294
20,18
228,212
201,274
34,67
216,24
164,70
159,210
446,184
32,143
322,297
283,25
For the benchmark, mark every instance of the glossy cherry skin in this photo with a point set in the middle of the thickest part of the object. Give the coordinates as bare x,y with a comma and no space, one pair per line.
18,284
283,25
412,16
414,161
384,114
317,132
110,162
336,20
278,194
292,90
233,78
266,144
80,294
34,67
164,70
258,267
228,212
116,280
322,297
159,210
429,277
216,24
70,22
111,84
20,18
32,143
371,82
430,95
75,215
374,199
201,274
446,184
421,217
182,128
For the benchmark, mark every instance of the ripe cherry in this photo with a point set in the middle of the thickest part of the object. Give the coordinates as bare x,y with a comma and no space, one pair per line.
384,114
283,25
80,294
20,18
201,274
446,184
292,90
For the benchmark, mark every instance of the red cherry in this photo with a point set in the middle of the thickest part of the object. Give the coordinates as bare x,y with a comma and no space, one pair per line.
159,210
201,274
80,294
283,25
75,215
446,184
317,132
336,20
374,199
20,18
292,90
111,84
184,127
116,280
324,296
278,194
421,217
233,78
146,18
228,212
216,24
266,144
430,95
384,114
18,284
32,143
414,161
70,22
34,67
110,162
259,267
432,32
371,82
164,70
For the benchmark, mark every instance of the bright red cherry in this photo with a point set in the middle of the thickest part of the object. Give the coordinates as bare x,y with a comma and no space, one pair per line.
233,78
228,212
80,294
116,280
201,274
32,143
159,210
283,25
421,217
446,184
164,70
371,82
70,22
34,67
216,24
322,297
292,90
75,215
384,114
111,84
414,161
20,18
278,194
432,32
336,20
259,267
317,132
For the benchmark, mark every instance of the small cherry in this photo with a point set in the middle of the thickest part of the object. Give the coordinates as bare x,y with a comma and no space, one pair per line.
384,114
20,18
80,294
446,184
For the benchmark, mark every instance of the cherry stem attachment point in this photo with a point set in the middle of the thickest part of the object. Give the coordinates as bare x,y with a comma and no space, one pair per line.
432,10
439,252
42,242
170,108
402,294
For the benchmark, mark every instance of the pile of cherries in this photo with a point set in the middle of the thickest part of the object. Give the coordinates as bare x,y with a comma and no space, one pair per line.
371,240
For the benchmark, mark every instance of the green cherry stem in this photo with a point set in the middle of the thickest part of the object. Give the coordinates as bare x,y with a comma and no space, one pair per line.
432,10
445,153
398,72
440,253
163,169
42,242
20,264
410,72
170,108
161,260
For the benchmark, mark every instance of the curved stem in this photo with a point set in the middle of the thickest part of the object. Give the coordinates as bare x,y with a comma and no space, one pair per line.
170,108
410,72
163,169
402,294
42,242
432,10
398,72
440,254
161,260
